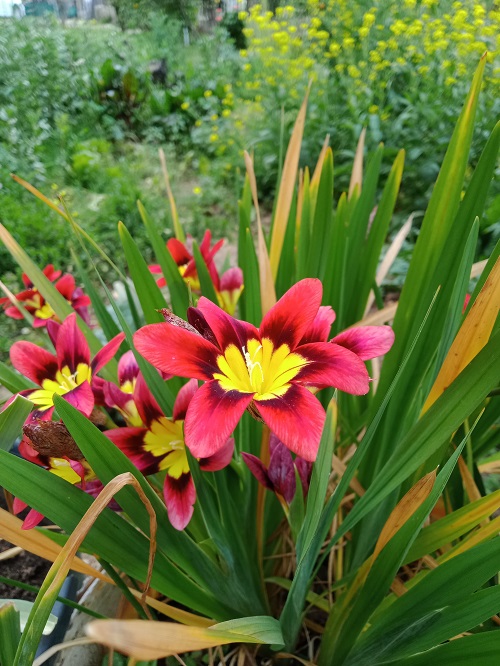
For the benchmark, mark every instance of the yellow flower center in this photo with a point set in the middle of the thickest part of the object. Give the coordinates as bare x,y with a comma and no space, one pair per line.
61,467
45,312
63,382
165,439
261,369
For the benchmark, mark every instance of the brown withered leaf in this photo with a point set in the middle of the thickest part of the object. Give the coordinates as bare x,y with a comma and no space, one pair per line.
173,319
52,439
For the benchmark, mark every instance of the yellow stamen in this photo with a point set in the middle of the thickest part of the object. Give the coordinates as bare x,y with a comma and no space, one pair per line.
165,438
63,382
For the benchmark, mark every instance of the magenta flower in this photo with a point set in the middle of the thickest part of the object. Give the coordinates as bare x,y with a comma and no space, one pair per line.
158,445
69,373
271,370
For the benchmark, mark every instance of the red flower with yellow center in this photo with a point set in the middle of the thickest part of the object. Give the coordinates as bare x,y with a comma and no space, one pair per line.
269,370
33,301
69,373
158,446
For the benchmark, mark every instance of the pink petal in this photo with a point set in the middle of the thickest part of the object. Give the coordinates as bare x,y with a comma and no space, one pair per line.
320,328
33,362
105,354
211,417
131,442
180,496
183,399
81,397
227,329
128,368
53,328
293,315
220,459
72,347
148,408
366,341
99,387
13,312
32,520
173,349
51,273
333,365
66,286
282,472
297,419
18,505
232,279
258,469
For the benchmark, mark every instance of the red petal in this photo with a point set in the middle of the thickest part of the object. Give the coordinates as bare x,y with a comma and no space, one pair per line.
131,441
320,328
296,418
332,365
49,272
293,315
13,312
72,347
173,349
183,399
226,329
180,496
81,397
179,252
33,362
220,459
53,330
148,408
212,416
258,469
366,341
105,354
66,286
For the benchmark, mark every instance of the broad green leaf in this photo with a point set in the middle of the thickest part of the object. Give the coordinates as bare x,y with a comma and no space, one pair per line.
304,233
478,650
12,420
13,381
319,481
149,293
286,270
322,229
179,294
10,631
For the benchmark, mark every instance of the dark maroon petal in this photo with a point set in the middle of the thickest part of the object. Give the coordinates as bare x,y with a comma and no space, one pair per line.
197,320
81,397
304,468
98,388
226,329
320,328
293,315
33,362
131,442
220,459
183,399
149,410
366,341
333,365
282,472
128,368
53,328
173,349
66,286
105,354
180,496
114,397
72,347
211,418
297,418
258,469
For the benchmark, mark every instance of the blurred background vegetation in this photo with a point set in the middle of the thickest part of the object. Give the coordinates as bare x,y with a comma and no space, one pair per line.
85,105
